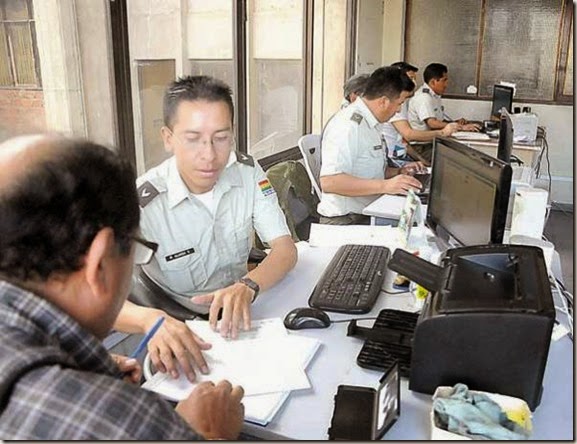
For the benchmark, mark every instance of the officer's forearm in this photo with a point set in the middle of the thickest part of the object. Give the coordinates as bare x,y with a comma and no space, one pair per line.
347,185
281,259
435,124
413,135
135,318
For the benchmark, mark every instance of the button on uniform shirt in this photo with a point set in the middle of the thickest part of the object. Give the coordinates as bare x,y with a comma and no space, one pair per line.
201,251
58,382
425,104
393,138
351,145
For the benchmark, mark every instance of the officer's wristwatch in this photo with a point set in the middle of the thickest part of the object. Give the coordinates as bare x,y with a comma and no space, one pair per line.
252,285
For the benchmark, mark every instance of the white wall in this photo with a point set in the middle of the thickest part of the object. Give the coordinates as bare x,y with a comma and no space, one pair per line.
558,122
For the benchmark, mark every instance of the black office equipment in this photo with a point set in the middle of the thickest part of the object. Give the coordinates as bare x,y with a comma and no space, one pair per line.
352,281
469,194
505,145
364,413
389,341
502,98
306,317
487,322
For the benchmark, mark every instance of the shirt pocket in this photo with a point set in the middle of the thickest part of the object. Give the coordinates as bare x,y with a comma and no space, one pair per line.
370,164
185,274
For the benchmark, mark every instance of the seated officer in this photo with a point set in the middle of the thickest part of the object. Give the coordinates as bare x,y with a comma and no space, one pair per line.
201,206
68,239
426,111
397,131
353,170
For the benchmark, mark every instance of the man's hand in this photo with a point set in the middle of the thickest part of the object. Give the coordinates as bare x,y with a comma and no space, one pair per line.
470,127
215,412
401,184
235,302
449,129
129,366
412,168
175,343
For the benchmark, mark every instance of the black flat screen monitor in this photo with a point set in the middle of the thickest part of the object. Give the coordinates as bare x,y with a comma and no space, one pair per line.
505,145
469,194
502,98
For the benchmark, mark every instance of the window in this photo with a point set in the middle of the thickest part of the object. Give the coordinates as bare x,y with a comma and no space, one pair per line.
518,41
18,54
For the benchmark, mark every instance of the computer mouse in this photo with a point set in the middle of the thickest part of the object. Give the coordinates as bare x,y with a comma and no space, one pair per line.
306,317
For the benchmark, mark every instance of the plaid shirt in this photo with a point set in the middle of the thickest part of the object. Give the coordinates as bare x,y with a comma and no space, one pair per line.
57,381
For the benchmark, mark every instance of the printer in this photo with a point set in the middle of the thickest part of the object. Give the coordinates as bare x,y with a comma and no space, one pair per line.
487,322
524,127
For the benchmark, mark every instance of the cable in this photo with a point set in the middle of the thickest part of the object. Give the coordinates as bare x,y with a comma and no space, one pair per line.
396,292
565,301
354,319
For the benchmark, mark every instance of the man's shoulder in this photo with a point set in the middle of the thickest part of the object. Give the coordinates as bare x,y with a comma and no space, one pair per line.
152,184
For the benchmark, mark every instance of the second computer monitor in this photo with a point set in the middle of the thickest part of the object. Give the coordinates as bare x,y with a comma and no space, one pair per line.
469,194
505,145
502,98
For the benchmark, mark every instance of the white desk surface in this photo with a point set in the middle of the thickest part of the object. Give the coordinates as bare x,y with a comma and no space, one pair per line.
306,414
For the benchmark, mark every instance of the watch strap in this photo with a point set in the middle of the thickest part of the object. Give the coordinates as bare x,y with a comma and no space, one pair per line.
252,285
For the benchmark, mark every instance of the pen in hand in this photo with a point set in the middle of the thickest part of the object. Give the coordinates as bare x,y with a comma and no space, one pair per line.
144,342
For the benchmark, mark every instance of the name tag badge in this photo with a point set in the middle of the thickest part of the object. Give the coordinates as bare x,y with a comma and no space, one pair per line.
180,254
377,147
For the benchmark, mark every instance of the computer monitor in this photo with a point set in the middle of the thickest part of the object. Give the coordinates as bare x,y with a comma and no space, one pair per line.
502,97
469,194
505,145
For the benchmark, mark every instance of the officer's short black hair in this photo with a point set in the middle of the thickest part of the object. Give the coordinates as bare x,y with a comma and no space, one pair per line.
356,84
387,81
191,88
434,71
50,214
405,67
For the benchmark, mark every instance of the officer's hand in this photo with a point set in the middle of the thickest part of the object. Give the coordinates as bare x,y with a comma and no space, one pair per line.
470,127
235,302
214,411
462,121
450,128
413,168
129,366
175,343
401,184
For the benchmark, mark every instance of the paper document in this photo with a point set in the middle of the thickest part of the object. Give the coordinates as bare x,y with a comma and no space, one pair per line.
470,135
322,235
266,361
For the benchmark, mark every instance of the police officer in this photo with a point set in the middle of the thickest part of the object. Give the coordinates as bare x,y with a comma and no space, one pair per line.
426,111
353,171
201,206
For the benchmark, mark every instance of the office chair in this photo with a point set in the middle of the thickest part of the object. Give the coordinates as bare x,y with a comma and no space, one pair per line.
310,146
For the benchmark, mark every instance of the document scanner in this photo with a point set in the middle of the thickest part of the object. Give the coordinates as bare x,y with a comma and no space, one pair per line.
487,321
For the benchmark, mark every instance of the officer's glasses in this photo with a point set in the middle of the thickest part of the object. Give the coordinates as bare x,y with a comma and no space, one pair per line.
221,141
144,250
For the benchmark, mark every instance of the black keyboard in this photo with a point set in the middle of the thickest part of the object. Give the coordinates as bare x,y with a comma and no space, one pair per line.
352,281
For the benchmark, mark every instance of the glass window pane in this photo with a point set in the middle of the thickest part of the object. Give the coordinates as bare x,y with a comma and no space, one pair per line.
153,78
5,72
568,86
520,46
21,43
16,10
275,75
439,31
219,69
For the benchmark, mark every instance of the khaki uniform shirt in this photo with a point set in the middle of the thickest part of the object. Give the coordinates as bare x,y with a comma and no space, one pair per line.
200,252
351,145
425,104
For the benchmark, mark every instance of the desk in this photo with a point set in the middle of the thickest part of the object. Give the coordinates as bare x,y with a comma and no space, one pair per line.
527,152
306,414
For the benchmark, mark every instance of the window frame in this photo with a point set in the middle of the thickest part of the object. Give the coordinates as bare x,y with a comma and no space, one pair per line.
562,51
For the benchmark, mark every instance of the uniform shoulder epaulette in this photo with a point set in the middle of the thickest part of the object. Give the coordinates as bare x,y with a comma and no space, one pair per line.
245,159
146,193
356,117
426,90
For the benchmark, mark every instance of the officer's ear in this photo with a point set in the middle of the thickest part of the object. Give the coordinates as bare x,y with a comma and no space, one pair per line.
167,138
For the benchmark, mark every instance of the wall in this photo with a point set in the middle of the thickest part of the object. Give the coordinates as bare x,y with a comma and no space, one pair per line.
21,111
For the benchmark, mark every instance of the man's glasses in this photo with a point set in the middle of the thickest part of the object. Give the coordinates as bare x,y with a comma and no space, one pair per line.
144,250
221,141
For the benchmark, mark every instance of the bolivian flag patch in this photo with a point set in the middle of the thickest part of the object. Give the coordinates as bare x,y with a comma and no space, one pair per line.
265,187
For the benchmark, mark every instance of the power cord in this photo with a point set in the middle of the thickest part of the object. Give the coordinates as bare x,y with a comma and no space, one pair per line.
566,300
354,319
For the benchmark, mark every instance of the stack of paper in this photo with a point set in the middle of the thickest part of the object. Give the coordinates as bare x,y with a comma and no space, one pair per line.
266,361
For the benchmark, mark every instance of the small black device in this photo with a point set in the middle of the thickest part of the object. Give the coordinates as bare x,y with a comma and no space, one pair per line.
352,281
502,98
306,317
487,322
364,413
469,194
505,146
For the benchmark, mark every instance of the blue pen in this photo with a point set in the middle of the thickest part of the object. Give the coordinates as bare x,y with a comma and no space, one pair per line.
144,342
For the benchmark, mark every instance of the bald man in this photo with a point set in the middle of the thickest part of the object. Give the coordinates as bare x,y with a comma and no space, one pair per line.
69,221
